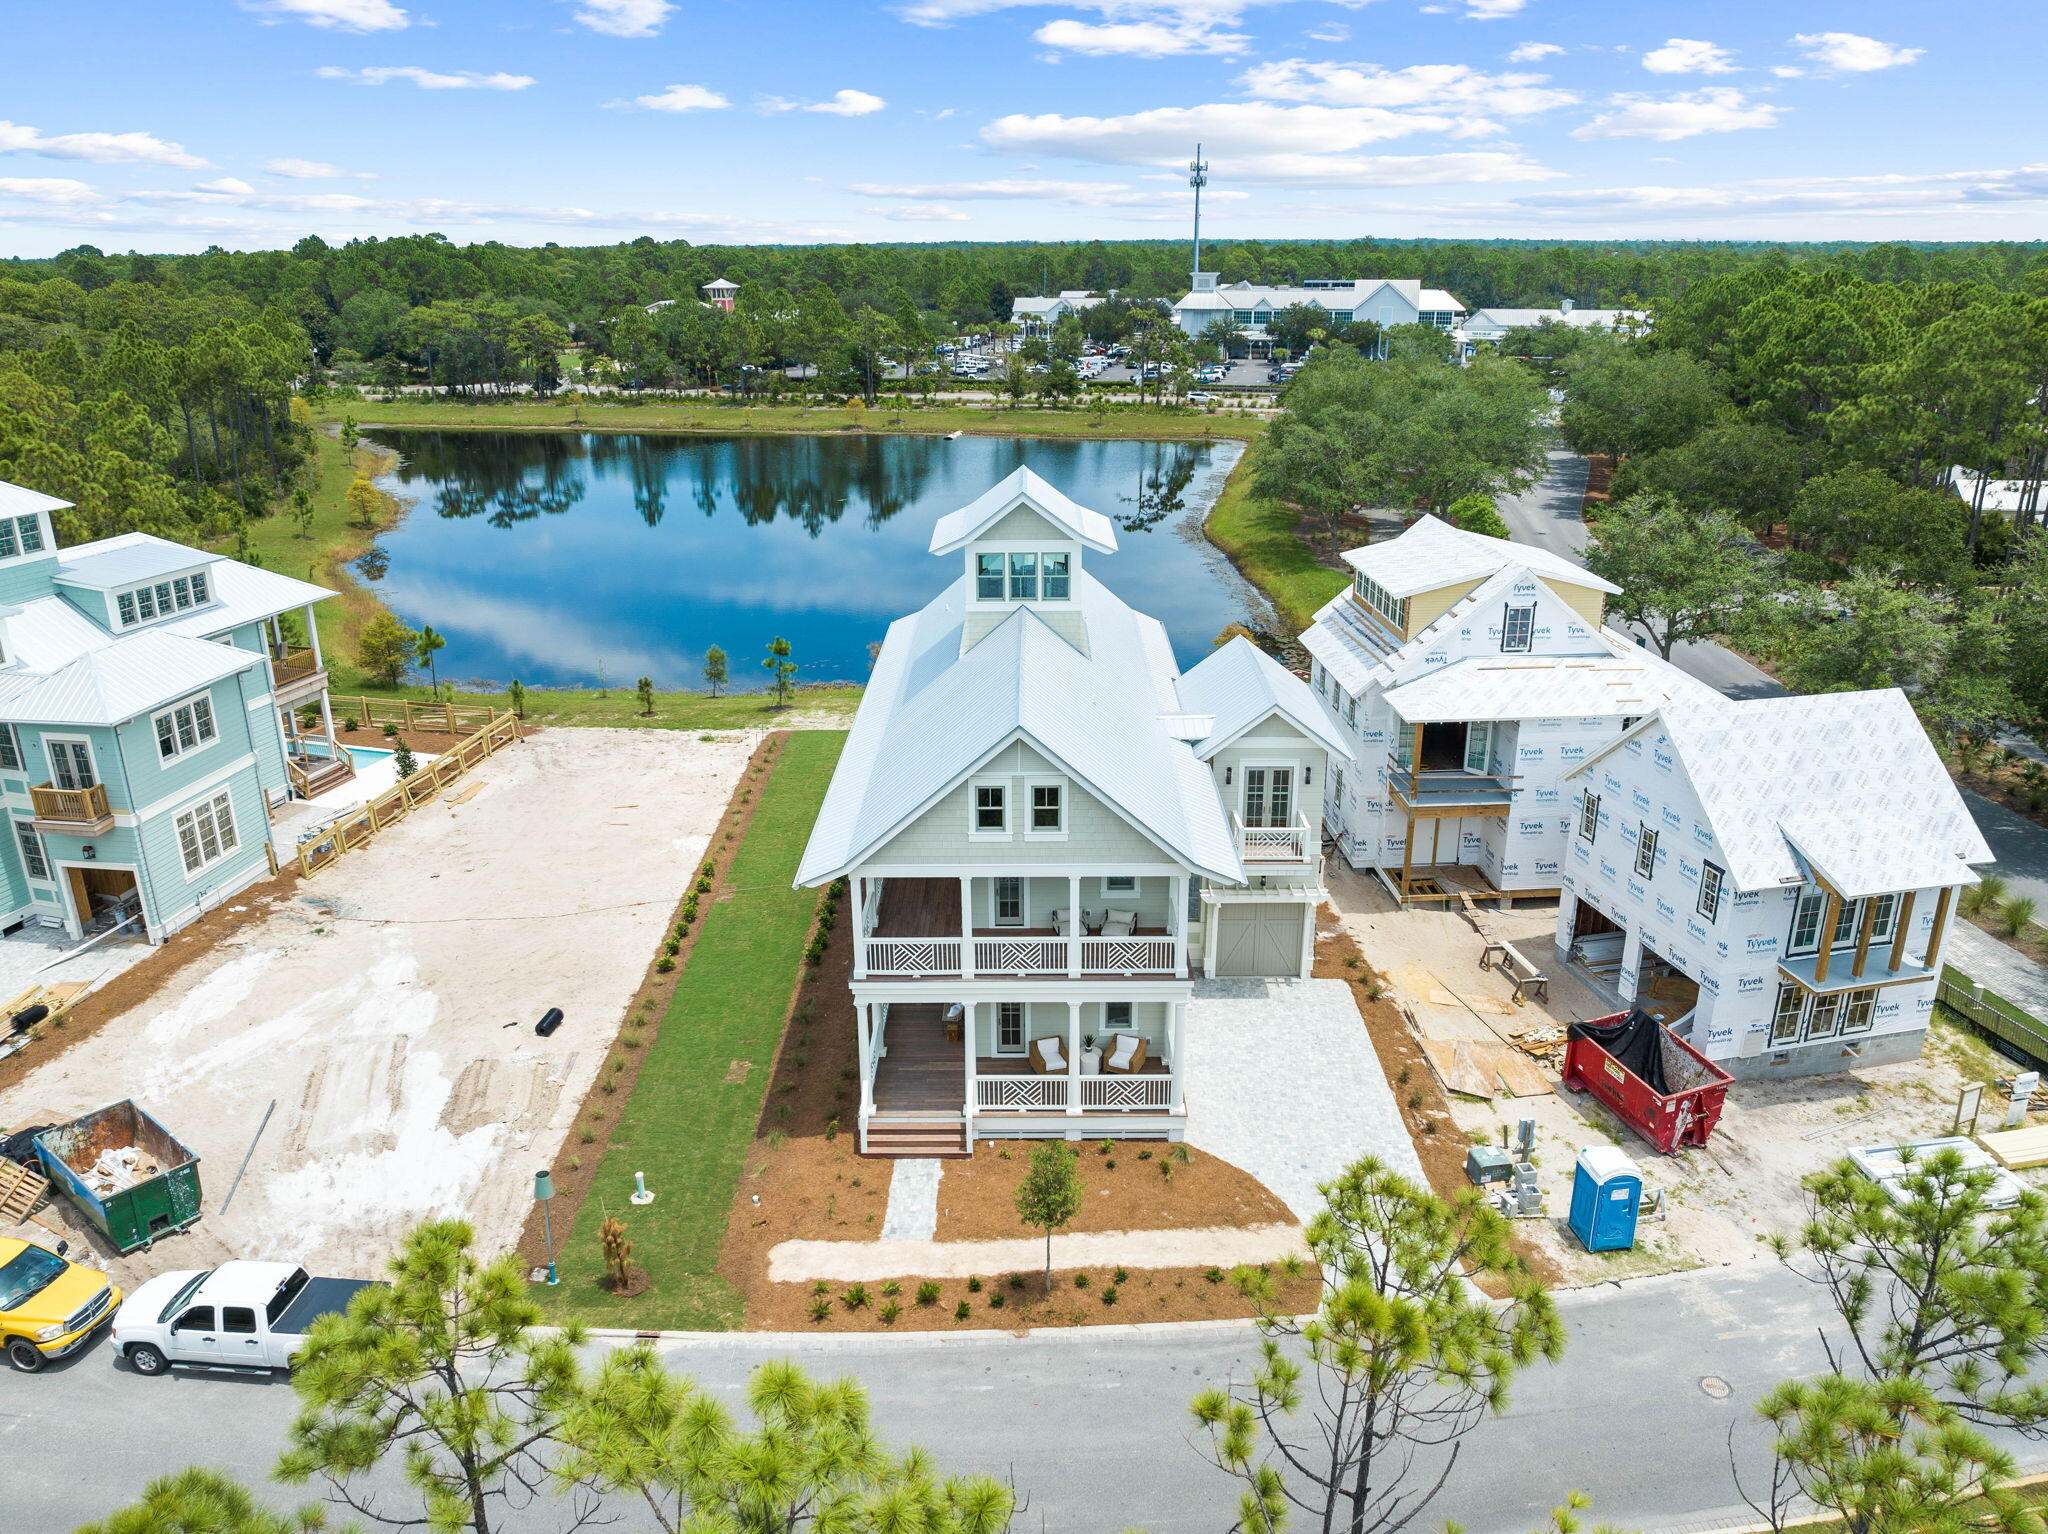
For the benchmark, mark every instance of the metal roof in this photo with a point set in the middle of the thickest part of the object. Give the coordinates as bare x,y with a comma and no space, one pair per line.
1843,784
1432,554
19,501
1240,684
127,560
1583,319
1540,687
1250,295
110,682
1023,488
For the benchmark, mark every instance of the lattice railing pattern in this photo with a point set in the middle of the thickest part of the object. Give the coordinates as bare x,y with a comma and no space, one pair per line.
1155,1092
913,955
1127,955
1021,956
1020,1091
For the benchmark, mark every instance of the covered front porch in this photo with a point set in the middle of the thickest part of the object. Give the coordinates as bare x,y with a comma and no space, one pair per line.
936,1075
1083,926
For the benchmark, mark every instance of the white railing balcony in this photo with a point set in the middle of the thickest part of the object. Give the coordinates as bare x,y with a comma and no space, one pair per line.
1130,956
911,956
1127,1094
1294,843
1021,1093
1021,955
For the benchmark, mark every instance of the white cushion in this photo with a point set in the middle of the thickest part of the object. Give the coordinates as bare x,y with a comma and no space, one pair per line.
1055,1057
1121,1051
1127,919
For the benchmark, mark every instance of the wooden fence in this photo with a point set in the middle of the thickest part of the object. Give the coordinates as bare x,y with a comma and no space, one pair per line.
358,826
1992,1012
442,718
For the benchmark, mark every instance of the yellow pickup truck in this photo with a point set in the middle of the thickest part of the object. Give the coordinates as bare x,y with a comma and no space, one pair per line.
49,1306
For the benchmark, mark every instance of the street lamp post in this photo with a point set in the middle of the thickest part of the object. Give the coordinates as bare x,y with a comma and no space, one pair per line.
543,1193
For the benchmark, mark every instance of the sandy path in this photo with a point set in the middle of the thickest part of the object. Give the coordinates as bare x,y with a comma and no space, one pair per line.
388,1007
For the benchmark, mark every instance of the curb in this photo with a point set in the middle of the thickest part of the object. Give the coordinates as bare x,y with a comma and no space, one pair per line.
1078,1334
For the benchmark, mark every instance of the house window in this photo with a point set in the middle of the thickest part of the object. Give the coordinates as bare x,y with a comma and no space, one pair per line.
988,577
1859,1012
1380,600
1023,577
31,845
1517,629
184,728
1589,817
20,535
70,763
1009,902
1785,1020
1116,1017
206,832
199,594
1848,930
126,603
1805,937
1058,585
1824,1016
1009,1027
10,750
1478,746
991,809
1646,850
1120,884
1711,879
1048,809
1245,317
1351,712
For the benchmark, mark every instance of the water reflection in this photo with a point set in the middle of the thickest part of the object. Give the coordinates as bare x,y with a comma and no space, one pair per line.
559,558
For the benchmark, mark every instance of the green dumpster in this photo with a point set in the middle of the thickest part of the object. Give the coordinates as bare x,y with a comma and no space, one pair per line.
125,1172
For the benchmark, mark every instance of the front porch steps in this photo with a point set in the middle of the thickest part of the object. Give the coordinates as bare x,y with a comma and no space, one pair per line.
932,1138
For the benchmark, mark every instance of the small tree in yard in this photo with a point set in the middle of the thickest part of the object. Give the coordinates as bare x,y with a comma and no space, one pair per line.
363,502
813,1464
618,1253
430,643
201,1501
515,694
402,759
386,649
1050,1194
1402,1356
439,1367
714,669
644,691
781,669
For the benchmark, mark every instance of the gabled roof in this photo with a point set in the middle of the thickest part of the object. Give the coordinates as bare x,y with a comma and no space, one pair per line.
933,715
19,501
1581,319
1433,554
1023,488
1844,785
126,560
242,593
1541,687
69,671
1240,685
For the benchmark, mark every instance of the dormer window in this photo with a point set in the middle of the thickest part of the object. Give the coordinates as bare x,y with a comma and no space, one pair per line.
988,577
160,599
1054,568
21,535
1023,577
1390,607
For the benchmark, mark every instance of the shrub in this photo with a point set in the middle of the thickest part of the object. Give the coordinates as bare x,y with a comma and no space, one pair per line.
1080,1280
891,1289
855,1296
2015,915
1109,1295
1214,1275
664,965
1016,1280
1121,1276
820,1309
1983,895
962,1311
974,1286
928,1293
888,1313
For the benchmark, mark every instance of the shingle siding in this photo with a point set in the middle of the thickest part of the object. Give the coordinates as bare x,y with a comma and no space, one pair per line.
1095,833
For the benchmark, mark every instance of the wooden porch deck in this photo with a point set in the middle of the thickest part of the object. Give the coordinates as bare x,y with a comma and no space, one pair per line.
931,908
922,1074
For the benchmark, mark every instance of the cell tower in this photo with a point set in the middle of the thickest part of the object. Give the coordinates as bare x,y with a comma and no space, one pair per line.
1198,177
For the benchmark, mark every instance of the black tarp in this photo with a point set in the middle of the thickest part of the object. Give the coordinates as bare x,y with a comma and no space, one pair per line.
1636,1041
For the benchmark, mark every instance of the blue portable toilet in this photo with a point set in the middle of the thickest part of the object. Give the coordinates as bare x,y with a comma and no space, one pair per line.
1607,1191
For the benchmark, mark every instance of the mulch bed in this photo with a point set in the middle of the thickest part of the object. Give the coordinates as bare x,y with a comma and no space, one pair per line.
609,1091
1439,1143
1599,475
1127,1190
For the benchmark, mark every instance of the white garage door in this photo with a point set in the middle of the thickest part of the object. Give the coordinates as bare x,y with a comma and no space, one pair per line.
1258,939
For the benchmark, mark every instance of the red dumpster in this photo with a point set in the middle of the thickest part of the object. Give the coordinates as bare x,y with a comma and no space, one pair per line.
1659,1085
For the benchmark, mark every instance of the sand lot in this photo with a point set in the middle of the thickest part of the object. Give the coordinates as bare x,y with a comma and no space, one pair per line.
388,1007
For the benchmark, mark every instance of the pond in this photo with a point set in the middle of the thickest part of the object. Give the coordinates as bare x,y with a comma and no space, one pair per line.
574,560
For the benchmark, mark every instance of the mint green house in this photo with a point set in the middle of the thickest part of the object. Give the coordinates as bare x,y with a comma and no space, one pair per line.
148,723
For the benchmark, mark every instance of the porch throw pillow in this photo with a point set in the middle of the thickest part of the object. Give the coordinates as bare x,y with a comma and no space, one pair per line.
1121,1052
1055,1057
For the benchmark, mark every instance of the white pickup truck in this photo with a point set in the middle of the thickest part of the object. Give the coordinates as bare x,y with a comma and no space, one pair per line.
241,1315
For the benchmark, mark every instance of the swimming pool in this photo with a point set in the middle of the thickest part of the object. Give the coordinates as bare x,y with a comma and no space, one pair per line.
366,756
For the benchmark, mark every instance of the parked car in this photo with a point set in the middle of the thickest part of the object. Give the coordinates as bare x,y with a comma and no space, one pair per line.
49,1305
244,1316
1199,398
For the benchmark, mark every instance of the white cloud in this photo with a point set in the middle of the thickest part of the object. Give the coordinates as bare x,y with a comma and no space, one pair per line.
1140,39
1492,10
233,186
1448,86
1788,71
683,98
58,190
427,79
314,170
1688,56
1329,32
623,18
1080,194
335,15
922,213
99,148
1719,109
1847,53
1233,130
1187,13
1529,53
848,104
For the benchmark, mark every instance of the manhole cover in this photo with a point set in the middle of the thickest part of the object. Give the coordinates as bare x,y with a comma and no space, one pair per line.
1714,1386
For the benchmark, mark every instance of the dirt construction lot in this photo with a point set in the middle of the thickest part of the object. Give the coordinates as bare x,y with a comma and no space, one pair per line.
388,1006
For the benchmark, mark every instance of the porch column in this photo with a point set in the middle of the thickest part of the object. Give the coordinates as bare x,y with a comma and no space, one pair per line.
1074,1058
864,1029
1179,1044
1074,926
327,721
1941,905
1308,938
1830,914
966,925
313,637
967,1026
1177,922
1900,929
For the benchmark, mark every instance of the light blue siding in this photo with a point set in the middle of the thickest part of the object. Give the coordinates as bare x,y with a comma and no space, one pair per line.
30,579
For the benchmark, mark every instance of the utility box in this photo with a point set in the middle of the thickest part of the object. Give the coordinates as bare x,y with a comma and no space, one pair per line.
1489,1163
1607,1195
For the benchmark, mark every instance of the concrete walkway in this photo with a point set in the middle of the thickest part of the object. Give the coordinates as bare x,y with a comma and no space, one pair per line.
795,1262
1283,1082
1990,963
913,1212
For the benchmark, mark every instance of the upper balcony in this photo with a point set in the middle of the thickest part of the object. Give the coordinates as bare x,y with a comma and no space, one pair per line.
1447,792
296,675
1027,927
71,811
1269,848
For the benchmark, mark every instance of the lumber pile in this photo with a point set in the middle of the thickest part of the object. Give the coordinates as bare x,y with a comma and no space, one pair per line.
1472,1068
1542,1042
59,998
2017,1148
21,1189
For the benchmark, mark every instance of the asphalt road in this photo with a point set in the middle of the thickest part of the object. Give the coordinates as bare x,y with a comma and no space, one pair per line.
1090,1426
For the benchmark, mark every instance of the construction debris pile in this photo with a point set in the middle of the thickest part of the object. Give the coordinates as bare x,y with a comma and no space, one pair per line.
119,1167
1544,1042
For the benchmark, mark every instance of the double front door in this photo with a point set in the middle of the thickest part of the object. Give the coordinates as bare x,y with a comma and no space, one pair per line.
1269,796
70,764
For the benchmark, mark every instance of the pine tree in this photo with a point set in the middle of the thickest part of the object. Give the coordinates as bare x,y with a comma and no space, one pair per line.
782,670
714,669
644,689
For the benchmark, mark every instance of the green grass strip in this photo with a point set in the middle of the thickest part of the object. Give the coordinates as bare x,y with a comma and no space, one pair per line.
1263,540
685,1126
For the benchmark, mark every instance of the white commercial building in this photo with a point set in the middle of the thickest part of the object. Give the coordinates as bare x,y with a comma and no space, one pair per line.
1386,302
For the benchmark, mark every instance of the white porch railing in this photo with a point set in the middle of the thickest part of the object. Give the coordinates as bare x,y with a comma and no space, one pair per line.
911,955
1274,844
1127,1093
1032,1092
1020,955
1129,956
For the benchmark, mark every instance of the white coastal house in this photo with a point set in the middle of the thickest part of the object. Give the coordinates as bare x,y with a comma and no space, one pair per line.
1047,830
1386,302
1492,325
1470,675
1774,877
1037,316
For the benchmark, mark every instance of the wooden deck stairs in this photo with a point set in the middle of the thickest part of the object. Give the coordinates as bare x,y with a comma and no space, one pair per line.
919,1086
892,1137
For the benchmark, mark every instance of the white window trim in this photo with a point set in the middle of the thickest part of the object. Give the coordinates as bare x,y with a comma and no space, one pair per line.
202,573
1030,808
206,802
1646,850
1589,817
1023,1044
11,739
43,531
995,909
1700,903
1507,625
1119,884
199,744
91,755
975,833
23,833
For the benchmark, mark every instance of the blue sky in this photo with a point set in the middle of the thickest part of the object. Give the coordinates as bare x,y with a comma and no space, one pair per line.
176,124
